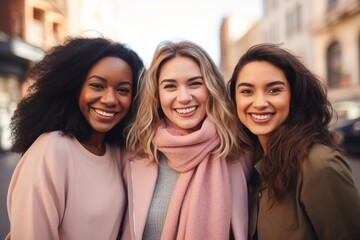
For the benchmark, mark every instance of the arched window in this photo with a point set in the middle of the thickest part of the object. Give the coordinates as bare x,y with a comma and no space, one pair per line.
333,61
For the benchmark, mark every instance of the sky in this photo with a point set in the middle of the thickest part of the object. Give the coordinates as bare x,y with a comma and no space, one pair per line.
143,24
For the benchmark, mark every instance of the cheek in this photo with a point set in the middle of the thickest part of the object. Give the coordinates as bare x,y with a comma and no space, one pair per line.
284,104
240,107
161,100
239,103
205,94
126,103
166,98
82,100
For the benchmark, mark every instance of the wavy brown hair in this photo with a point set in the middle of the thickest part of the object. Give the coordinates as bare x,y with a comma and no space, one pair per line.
307,124
218,108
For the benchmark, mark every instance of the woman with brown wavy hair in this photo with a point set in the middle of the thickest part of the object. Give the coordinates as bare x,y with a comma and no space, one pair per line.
301,186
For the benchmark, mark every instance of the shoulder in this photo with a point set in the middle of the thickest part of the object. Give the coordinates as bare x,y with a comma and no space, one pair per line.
319,151
54,138
49,147
325,168
328,193
44,158
324,158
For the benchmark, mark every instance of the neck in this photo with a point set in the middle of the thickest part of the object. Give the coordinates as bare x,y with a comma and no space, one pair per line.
95,144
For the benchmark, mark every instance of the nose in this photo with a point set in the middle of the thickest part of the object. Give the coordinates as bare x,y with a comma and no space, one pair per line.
109,97
260,101
184,95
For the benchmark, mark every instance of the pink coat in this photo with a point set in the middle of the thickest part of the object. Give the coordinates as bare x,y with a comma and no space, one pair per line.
140,179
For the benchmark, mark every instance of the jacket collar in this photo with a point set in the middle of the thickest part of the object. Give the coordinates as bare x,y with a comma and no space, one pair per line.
143,175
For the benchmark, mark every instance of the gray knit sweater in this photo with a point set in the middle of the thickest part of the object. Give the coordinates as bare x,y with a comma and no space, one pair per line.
164,188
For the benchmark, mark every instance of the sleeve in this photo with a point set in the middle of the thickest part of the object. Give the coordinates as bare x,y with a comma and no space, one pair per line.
36,195
330,198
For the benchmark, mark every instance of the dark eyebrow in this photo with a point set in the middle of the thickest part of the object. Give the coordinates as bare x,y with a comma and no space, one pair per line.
126,82
275,83
189,80
245,84
98,77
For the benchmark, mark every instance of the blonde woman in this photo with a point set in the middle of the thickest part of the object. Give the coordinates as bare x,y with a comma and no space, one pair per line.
185,178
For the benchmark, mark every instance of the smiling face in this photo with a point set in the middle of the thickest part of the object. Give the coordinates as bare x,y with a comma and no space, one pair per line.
105,96
262,95
183,94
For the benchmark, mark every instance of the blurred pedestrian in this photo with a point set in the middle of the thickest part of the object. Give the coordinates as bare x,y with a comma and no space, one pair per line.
69,128
301,185
184,180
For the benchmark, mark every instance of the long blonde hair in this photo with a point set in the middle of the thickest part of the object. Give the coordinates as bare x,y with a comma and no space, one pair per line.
218,107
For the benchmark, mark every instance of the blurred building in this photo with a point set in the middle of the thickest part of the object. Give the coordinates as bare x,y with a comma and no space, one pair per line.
324,33
232,49
27,29
336,29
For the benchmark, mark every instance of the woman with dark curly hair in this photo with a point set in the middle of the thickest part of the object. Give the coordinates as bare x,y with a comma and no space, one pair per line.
301,186
70,128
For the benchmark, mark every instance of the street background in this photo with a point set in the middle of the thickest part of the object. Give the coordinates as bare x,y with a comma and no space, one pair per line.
324,34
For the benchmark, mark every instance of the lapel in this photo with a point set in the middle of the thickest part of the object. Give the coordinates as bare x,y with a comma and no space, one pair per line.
142,179
239,209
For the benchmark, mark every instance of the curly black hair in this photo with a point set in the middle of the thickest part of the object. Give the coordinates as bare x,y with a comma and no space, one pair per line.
52,101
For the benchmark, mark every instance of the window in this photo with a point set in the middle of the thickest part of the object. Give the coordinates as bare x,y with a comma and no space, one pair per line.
56,32
333,60
38,29
298,19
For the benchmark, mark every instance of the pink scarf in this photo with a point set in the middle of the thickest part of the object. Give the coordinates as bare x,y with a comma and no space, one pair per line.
200,207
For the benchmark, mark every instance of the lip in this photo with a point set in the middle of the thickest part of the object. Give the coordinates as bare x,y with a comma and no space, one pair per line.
188,111
261,117
105,114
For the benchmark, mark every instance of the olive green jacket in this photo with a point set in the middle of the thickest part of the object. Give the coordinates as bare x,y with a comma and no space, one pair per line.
322,204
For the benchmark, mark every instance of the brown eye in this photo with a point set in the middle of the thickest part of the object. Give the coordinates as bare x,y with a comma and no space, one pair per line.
97,86
246,91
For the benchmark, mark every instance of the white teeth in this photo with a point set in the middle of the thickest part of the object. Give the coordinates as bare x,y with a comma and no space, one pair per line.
105,114
185,110
261,117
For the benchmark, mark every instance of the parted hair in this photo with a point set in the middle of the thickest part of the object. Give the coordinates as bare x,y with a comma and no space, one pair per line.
218,107
307,124
52,100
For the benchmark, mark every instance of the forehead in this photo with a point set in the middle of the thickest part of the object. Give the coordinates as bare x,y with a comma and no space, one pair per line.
112,68
258,72
179,65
